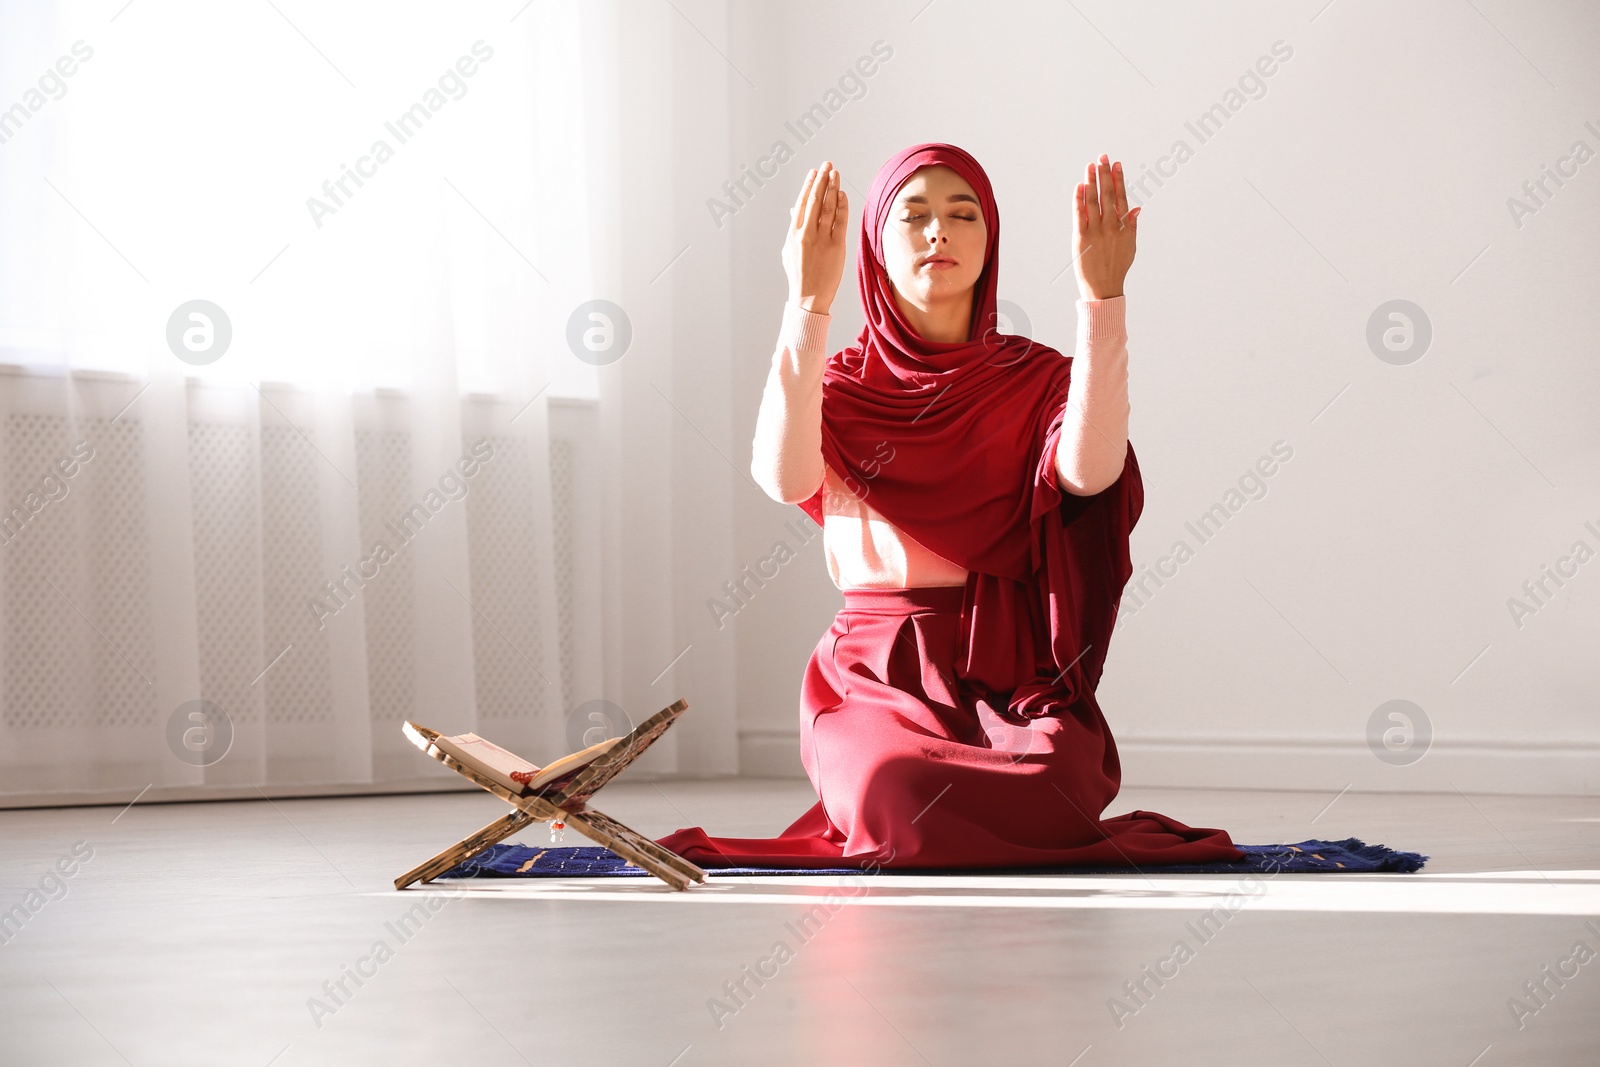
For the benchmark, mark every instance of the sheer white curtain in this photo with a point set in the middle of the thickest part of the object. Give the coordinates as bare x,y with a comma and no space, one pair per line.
398,492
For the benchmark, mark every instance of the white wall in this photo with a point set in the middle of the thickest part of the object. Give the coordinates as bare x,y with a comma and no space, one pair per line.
1377,165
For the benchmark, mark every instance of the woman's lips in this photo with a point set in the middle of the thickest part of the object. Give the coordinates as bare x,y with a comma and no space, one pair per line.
938,264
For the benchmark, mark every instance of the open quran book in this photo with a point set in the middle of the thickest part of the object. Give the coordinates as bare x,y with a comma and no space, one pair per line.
556,793
510,769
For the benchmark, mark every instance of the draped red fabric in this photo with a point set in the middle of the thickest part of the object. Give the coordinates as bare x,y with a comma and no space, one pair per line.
954,443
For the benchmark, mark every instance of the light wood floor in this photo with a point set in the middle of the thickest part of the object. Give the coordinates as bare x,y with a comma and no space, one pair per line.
220,933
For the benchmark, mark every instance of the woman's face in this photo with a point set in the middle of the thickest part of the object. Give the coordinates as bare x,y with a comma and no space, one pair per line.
935,214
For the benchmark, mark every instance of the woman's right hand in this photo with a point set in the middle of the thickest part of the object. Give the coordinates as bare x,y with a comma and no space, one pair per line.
813,252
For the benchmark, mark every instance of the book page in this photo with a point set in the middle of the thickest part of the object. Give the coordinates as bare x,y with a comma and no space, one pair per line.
569,763
488,759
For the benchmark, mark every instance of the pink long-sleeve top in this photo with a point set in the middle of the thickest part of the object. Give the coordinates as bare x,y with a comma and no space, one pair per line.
863,549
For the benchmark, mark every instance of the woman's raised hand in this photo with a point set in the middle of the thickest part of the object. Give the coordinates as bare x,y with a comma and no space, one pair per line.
813,251
1103,232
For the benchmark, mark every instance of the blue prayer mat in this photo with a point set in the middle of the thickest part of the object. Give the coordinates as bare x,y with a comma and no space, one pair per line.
1351,854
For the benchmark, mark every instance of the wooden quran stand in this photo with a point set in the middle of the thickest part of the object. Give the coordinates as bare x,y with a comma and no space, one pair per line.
563,802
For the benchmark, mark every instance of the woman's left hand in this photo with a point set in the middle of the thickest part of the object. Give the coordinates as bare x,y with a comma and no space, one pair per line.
1104,231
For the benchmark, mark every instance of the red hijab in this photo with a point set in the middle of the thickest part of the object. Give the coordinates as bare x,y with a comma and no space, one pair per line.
973,427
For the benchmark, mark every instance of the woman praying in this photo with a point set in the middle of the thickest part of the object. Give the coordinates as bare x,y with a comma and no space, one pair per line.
976,491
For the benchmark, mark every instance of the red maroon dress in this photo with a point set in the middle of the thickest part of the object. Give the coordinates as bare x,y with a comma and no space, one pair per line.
957,726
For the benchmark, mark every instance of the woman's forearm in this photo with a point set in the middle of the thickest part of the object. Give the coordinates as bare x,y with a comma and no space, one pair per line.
1094,430
786,455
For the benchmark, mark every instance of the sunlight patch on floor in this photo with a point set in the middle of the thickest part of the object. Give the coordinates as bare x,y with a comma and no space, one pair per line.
1486,893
